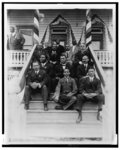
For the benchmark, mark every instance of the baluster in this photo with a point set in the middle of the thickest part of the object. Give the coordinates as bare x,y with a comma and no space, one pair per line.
14,58
21,57
105,60
17,56
102,57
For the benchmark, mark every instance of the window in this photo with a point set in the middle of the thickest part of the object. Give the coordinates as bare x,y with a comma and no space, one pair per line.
27,32
97,36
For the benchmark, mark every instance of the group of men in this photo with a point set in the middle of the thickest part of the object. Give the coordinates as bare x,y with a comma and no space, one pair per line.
67,73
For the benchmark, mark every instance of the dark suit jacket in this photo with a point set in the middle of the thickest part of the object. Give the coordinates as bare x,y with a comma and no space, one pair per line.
41,77
15,42
90,87
59,69
55,57
48,67
81,71
65,87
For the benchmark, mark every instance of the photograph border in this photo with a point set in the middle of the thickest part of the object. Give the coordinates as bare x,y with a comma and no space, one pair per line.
116,80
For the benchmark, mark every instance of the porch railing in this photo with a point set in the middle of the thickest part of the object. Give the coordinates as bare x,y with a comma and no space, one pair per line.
17,58
105,57
108,123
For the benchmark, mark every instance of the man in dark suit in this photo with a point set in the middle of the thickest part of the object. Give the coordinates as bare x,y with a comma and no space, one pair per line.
82,68
48,67
72,52
15,40
61,66
65,91
55,52
89,90
59,69
36,83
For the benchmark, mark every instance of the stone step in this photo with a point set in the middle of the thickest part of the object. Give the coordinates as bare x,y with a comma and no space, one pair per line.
59,116
64,131
51,105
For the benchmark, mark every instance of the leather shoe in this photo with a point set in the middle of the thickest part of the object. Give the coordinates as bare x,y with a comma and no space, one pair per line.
99,117
59,107
45,108
79,119
26,107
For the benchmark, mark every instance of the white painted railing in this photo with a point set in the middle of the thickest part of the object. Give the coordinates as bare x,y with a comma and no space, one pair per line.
105,58
17,58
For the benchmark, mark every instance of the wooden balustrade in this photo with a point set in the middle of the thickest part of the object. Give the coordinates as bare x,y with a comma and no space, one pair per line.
17,58
105,58
16,114
108,112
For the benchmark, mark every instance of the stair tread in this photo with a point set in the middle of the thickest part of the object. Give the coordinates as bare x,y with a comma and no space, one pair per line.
57,111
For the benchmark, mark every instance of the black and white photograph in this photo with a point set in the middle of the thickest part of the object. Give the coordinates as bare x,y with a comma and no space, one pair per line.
60,62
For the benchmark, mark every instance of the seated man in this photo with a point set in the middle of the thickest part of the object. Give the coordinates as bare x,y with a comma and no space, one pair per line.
48,67
54,53
65,91
59,69
82,69
36,83
89,90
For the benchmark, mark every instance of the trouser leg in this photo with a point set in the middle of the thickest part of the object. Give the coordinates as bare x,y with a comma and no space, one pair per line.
99,100
44,94
80,101
63,100
27,96
70,103
54,83
48,85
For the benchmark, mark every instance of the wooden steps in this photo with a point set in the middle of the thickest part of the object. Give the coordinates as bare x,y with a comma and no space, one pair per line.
54,126
36,113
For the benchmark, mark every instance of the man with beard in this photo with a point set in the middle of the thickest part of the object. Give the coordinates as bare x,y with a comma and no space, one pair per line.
55,52
48,67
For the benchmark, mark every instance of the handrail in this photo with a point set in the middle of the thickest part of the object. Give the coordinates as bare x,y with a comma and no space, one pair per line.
98,67
19,82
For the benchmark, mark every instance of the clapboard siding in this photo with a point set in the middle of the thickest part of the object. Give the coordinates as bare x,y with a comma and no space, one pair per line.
76,18
20,17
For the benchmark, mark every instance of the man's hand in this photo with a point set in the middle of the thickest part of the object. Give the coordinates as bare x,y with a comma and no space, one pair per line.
34,85
39,85
69,94
90,95
56,97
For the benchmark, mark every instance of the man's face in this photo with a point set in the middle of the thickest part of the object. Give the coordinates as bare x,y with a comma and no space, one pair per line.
42,59
54,45
63,59
67,47
85,59
36,66
39,47
82,48
91,72
66,73
12,29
